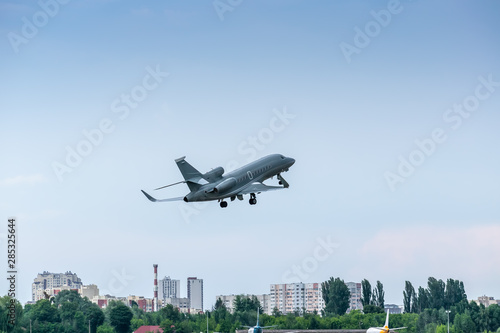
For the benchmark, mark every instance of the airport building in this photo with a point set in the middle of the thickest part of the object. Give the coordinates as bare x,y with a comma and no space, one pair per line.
393,308
486,301
291,297
195,293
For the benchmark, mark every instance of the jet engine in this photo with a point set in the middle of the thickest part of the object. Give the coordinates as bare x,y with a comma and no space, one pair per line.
214,174
225,185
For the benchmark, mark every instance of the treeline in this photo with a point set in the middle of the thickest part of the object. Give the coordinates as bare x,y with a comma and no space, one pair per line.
69,312
431,305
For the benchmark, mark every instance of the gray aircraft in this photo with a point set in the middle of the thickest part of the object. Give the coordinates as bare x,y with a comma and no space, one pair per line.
214,185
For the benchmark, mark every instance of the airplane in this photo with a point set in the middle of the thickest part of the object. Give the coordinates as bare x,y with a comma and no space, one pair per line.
257,328
215,185
384,329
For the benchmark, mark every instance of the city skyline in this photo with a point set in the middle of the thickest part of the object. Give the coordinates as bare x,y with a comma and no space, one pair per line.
286,298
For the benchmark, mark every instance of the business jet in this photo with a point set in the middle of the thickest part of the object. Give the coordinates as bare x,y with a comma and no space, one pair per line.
215,185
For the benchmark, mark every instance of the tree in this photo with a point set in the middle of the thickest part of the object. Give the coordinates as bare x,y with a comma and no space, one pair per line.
463,323
336,296
422,300
44,311
219,304
168,326
95,315
378,295
120,316
454,293
105,329
408,297
366,288
436,293
276,312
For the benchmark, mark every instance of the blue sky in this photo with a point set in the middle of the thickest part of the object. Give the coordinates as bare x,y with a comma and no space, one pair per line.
220,89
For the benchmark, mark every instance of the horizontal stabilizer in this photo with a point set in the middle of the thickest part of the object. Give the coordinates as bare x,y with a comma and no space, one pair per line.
159,188
398,328
161,200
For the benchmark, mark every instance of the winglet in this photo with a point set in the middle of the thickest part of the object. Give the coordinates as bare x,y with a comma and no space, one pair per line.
161,200
148,196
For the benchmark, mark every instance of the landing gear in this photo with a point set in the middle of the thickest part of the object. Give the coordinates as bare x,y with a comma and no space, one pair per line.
282,181
252,200
223,204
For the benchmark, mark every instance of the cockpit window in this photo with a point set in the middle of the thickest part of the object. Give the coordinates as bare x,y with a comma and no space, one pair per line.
282,157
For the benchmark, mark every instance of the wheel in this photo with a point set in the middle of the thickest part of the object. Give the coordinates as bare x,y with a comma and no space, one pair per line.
223,204
252,201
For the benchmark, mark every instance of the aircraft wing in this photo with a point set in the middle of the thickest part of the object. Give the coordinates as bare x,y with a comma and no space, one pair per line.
160,200
258,187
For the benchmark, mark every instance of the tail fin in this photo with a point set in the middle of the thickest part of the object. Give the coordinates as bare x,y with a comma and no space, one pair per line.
190,174
387,320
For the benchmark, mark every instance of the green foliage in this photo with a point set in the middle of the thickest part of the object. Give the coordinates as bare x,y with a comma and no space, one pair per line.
105,329
244,303
366,290
409,297
378,295
336,296
120,316
372,309
70,313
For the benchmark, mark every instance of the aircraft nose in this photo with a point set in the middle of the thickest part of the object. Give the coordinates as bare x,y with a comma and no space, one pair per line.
291,161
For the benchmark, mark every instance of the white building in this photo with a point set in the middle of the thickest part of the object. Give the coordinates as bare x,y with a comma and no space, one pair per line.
486,300
51,283
355,299
168,288
89,291
195,293
181,303
293,297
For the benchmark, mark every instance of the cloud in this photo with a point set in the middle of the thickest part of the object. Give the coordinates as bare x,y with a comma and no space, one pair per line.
24,180
470,252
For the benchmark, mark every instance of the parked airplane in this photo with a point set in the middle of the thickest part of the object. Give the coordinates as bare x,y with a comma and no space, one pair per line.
384,329
214,185
257,328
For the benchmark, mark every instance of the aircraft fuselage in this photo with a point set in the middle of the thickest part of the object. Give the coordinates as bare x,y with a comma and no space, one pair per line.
231,183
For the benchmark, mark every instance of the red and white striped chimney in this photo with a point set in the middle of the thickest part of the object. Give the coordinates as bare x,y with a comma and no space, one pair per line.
155,305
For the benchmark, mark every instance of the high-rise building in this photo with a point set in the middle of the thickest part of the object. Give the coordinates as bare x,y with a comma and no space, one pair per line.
168,288
48,284
291,297
355,299
195,292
